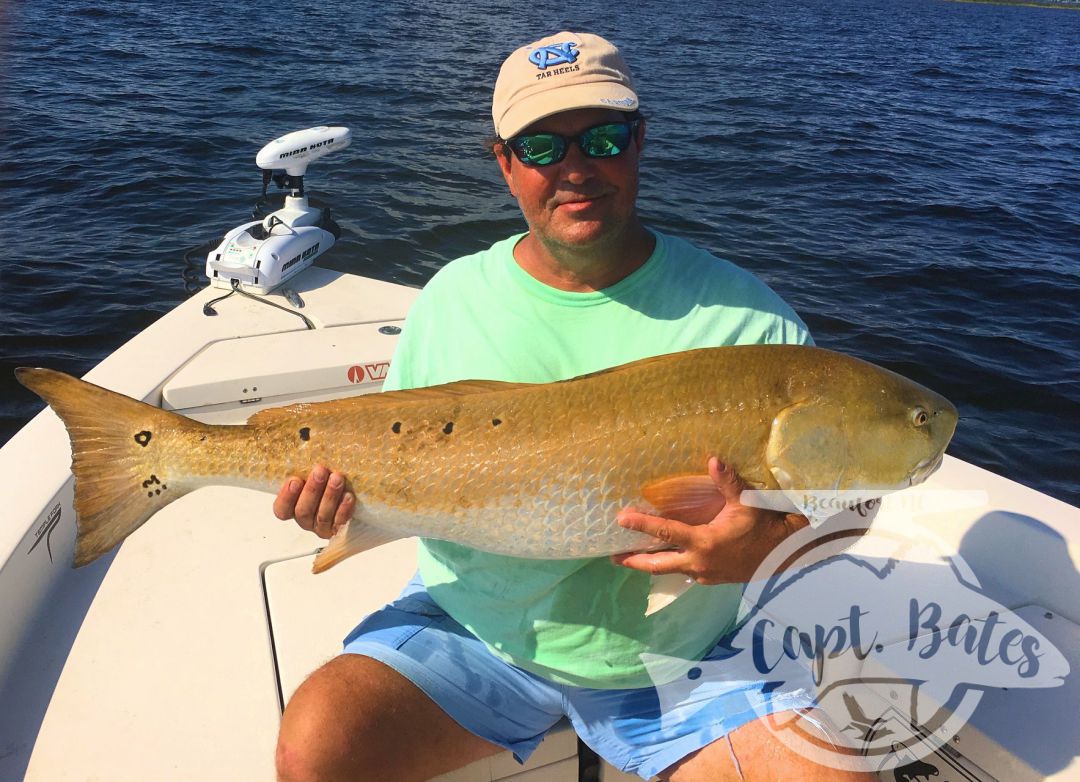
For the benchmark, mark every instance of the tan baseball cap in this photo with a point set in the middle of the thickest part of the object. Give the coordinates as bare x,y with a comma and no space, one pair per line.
558,73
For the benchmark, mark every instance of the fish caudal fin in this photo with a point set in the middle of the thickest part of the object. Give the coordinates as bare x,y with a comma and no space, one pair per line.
351,538
121,473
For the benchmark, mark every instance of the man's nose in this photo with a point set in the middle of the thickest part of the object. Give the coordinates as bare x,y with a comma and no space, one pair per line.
576,166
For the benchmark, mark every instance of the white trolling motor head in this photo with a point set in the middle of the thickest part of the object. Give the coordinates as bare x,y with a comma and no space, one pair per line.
261,255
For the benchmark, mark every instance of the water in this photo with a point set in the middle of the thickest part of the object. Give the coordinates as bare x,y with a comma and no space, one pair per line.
904,172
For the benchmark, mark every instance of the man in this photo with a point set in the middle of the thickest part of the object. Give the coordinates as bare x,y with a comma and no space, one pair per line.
483,652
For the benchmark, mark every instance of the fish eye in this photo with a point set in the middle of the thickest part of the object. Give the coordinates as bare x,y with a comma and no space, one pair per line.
919,417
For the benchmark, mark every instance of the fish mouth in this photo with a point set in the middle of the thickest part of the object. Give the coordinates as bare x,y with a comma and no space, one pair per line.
924,469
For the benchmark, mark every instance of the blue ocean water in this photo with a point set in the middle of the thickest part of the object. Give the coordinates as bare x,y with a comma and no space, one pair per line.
905,172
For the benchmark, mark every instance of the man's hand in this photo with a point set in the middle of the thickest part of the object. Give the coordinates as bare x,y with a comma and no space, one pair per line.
320,504
726,550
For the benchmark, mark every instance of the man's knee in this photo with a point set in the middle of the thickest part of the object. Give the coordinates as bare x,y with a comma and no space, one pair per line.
357,718
755,751
328,724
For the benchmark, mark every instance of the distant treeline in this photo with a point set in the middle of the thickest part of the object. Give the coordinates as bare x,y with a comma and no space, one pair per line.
1073,4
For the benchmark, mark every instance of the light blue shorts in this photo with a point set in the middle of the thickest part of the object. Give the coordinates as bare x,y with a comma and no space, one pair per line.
640,731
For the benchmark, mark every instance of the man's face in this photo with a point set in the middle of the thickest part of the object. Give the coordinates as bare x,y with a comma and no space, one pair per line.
579,200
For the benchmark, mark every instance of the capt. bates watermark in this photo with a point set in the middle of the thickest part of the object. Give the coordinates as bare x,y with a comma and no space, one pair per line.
893,643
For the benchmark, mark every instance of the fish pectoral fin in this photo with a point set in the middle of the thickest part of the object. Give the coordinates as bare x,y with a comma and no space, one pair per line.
351,538
692,499
664,590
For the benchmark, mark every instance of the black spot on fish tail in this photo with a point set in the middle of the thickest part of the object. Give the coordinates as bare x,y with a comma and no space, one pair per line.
143,438
396,428
305,433
495,421
448,428
150,482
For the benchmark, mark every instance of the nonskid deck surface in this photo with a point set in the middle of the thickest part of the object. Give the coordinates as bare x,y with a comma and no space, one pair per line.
206,619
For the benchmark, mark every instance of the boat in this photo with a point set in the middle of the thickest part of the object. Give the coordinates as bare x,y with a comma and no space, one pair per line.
172,657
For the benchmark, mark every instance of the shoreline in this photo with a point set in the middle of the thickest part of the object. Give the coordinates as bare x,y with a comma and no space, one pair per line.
1071,6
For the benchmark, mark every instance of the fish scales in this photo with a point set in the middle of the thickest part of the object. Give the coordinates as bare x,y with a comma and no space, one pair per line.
527,470
575,460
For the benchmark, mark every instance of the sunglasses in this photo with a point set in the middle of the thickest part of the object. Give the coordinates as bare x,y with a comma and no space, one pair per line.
544,149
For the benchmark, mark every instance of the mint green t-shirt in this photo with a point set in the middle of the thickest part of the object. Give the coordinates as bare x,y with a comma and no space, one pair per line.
582,621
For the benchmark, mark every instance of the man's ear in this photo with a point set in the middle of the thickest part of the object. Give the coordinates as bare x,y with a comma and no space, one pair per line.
503,155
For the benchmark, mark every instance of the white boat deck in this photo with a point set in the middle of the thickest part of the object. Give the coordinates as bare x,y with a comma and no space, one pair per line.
171,659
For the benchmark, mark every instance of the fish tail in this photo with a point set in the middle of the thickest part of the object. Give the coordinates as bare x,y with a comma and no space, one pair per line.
120,465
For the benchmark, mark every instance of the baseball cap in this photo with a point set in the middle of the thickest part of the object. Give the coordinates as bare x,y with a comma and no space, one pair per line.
558,73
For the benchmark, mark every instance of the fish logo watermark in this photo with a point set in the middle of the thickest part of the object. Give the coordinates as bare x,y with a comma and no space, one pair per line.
889,644
554,54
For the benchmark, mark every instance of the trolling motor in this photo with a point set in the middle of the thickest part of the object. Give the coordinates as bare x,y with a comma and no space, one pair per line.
259,256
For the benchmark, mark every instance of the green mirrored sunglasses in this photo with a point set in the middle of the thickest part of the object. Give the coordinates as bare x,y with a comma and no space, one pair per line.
544,149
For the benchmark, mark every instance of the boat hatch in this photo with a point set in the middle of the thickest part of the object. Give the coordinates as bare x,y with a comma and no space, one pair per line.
231,379
303,639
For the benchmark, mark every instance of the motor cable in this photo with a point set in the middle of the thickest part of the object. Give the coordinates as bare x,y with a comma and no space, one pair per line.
208,308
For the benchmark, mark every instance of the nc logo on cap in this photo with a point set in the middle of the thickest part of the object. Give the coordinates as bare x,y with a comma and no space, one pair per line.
553,54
